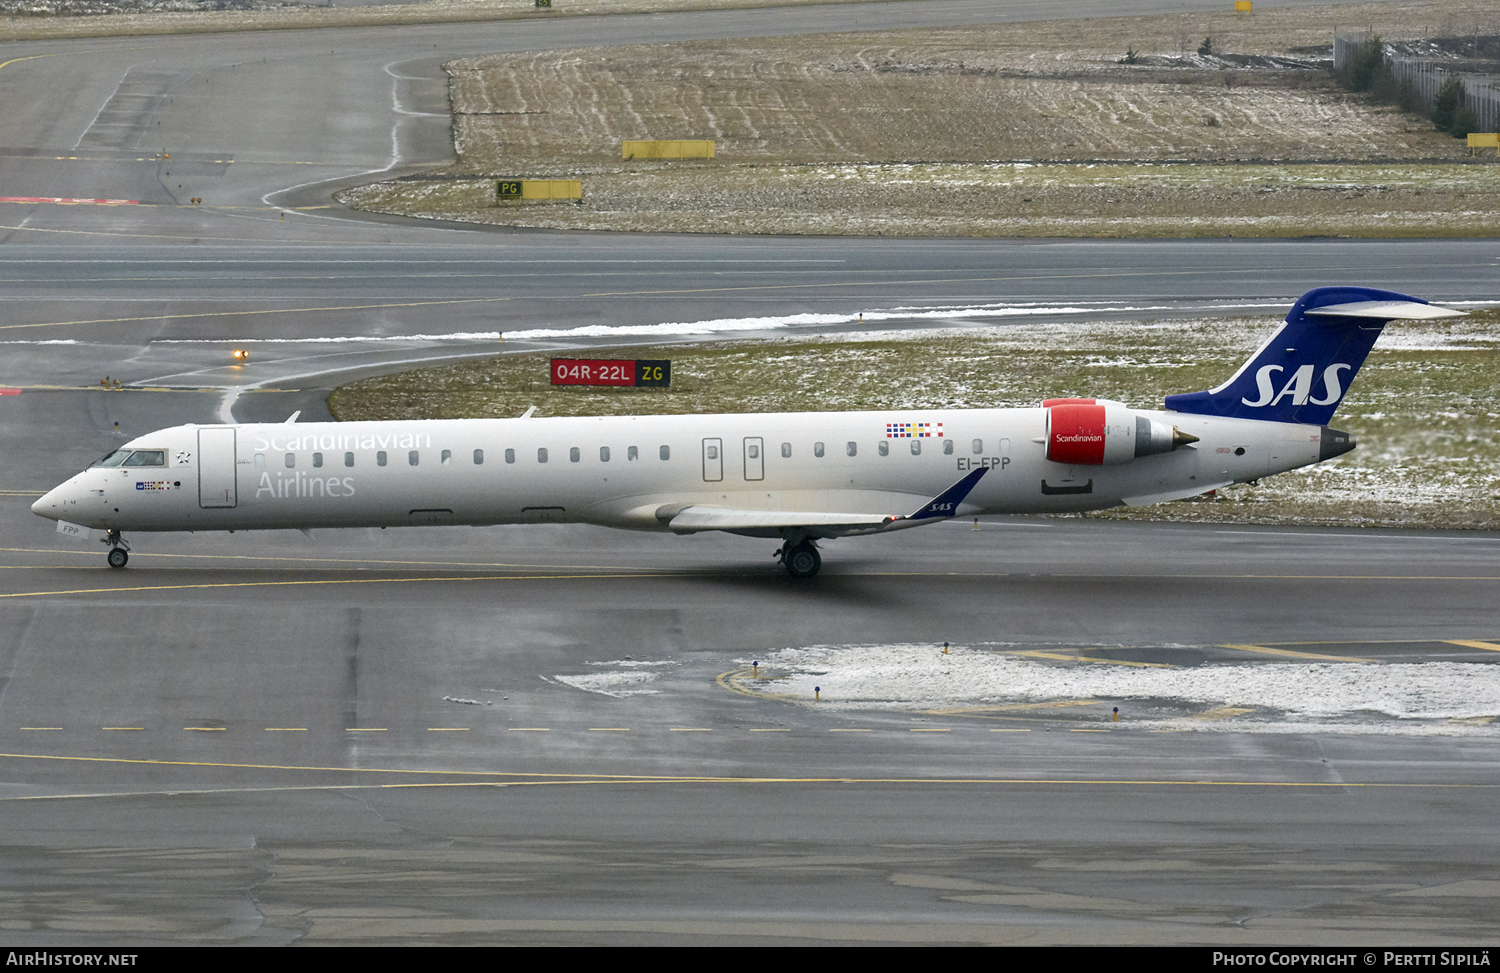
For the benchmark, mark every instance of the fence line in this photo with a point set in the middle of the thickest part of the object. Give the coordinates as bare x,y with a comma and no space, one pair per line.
1481,92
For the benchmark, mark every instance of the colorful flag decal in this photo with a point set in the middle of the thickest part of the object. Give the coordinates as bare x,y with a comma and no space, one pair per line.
913,430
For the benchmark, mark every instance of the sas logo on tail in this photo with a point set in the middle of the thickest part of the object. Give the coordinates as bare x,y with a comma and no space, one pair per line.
1298,387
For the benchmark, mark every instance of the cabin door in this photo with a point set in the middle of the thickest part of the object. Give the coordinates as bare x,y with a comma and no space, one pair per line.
713,460
216,467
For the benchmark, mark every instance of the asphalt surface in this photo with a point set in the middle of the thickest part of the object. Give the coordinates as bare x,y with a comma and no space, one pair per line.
370,736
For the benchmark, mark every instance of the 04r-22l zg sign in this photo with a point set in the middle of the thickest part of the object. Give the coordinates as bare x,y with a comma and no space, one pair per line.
603,371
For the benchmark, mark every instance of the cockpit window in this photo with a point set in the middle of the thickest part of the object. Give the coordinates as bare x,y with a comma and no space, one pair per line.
147,457
115,458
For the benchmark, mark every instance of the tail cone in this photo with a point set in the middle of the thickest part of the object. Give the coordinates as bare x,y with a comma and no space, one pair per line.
1180,438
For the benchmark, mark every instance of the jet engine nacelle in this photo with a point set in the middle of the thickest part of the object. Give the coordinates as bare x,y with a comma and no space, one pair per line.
1089,432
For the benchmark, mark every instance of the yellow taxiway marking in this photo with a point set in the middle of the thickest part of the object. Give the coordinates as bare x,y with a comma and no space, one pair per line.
609,729
689,729
248,313
531,729
769,729
286,729
122,728
504,777
208,390
929,729
394,562
447,729
205,729
38,727
1471,644
1292,654
365,729
1087,730
849,729
1064,657
1010,729
662,292
328,581
22,493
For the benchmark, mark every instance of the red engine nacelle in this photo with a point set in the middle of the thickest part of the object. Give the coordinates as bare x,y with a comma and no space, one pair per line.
1083,432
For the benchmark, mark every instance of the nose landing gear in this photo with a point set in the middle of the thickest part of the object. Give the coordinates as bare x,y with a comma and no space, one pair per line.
119,549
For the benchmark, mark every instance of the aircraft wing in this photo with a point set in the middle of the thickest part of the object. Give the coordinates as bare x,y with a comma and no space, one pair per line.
690,518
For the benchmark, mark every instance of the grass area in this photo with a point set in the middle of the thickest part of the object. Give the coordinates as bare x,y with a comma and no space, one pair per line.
1425,408
991,199
1030,129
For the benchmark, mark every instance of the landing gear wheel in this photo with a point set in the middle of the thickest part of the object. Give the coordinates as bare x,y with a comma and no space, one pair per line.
802,561
118,557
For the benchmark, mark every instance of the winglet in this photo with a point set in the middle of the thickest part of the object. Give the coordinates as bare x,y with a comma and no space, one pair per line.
945,504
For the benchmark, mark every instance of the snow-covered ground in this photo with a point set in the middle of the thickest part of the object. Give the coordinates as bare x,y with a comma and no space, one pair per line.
1429,698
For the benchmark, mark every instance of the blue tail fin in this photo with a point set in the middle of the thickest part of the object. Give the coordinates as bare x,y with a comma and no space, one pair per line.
1302,372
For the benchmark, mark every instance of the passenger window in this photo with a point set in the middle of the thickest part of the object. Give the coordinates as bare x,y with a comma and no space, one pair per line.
713,452
380,458
632,454
666,452
510,456
147,457
317,460
786,450
884,449
818,450
947,447
851,448
478,457
604,454
541,455
291,460
260,461
446,458
978,445
413,457
574,455
754,451
348,459
916,447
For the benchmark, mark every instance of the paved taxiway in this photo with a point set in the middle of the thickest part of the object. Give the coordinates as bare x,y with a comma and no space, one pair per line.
363,736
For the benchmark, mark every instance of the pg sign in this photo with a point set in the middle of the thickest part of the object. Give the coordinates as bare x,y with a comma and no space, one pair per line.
640,373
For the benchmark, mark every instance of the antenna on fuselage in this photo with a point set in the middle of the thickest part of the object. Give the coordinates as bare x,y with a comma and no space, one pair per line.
528,413
293,417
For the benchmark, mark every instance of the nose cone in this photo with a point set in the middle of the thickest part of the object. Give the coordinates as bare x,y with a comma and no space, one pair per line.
50,506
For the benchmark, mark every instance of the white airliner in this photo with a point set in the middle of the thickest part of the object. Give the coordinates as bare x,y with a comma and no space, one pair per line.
799,477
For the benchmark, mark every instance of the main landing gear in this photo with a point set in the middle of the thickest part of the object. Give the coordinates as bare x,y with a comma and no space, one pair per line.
119,549
801,559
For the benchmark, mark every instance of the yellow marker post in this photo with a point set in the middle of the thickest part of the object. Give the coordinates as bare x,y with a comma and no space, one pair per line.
1241,6
817,694
1484,140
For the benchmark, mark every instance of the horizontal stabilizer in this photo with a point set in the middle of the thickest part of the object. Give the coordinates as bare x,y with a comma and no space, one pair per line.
1385,311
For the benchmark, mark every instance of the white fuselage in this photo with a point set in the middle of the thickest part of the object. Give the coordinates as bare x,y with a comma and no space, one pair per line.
623,471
